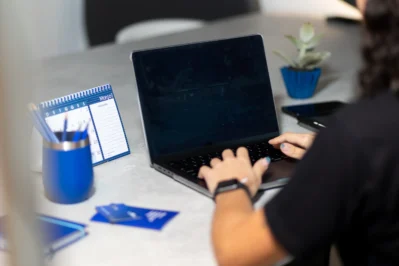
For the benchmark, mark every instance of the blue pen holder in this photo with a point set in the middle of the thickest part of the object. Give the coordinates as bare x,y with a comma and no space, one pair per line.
67,170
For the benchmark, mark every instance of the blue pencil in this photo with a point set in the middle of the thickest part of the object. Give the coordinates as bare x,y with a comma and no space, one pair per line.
48,132
38,126
64,132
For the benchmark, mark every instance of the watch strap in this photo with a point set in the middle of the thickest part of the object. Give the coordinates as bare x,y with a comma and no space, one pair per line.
230,185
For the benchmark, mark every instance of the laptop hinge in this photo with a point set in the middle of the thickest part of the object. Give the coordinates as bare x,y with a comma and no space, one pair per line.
183,180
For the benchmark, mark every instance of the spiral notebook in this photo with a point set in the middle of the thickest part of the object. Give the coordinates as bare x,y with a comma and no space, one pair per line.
55,233
98,106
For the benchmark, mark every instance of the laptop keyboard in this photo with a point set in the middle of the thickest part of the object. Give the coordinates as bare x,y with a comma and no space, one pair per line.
256,151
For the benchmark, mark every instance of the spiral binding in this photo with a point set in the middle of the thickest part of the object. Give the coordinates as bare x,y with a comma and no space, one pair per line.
75,96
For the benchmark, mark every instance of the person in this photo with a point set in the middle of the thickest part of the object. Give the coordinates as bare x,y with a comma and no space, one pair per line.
345,189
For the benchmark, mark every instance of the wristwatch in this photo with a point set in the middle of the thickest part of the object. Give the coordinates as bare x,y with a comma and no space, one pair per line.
230,185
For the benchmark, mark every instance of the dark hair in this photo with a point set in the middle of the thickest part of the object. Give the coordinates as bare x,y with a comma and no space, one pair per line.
380,48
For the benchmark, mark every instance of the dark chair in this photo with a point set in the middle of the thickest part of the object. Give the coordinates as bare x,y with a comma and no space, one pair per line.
104,18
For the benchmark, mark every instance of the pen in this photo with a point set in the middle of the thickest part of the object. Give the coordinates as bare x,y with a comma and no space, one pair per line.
64,133
319,124
76,136
85,132
311,123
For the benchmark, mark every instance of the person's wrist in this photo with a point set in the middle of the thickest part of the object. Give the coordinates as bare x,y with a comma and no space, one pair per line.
232,196
231,185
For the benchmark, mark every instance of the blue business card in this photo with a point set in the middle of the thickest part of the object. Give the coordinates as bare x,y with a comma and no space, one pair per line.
116,213
134,216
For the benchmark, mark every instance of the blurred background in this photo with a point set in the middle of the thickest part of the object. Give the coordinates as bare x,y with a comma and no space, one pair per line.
63,27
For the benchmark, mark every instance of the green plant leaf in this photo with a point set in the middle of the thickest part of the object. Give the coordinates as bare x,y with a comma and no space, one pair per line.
312,43
313,59
309,59
285,58
306,33
324,56
298,43
302,53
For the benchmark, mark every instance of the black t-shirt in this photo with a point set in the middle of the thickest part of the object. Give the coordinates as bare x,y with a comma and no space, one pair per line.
345,191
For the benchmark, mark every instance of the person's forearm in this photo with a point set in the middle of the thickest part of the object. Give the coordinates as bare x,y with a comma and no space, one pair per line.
240,234
232,209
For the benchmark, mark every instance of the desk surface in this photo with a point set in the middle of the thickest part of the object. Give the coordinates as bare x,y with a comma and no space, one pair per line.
129,180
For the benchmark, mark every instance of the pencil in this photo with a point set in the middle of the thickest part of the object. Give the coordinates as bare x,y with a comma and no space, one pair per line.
38,125
48,132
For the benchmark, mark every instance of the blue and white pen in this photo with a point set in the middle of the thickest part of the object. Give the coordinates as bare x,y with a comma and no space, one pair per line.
85,132
76,136
64,132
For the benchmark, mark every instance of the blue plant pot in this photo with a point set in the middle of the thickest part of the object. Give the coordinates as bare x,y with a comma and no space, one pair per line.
300,84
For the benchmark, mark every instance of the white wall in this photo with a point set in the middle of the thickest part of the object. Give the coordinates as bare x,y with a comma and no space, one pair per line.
56,26
318,8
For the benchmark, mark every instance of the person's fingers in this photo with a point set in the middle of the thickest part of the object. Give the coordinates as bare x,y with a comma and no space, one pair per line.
302,140
215,161
292,151
260,167
204,170
227,154
243,153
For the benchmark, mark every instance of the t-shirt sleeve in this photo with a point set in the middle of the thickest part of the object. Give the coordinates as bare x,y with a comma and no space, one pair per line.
308,213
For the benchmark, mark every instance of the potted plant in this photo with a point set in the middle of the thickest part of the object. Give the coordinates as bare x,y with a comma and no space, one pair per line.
303,72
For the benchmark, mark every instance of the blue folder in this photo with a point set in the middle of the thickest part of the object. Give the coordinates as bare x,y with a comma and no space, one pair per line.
55,233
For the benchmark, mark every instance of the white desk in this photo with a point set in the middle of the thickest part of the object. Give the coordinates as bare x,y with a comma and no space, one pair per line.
129,180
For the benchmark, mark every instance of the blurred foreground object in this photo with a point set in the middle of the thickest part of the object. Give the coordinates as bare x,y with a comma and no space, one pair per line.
15,91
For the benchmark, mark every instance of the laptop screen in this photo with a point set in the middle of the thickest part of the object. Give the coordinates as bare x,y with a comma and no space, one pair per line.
203,94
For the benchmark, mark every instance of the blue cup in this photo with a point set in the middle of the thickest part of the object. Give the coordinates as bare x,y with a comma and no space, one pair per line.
67,170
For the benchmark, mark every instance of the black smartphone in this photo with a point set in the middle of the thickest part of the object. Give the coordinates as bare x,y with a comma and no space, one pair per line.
342,20
314,115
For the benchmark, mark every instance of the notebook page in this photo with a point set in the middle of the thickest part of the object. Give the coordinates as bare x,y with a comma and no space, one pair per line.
77,120
109,128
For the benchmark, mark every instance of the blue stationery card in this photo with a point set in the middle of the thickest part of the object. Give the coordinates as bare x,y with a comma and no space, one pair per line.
143,218
117,213
96,107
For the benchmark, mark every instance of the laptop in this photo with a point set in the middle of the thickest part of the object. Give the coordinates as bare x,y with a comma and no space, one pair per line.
201,98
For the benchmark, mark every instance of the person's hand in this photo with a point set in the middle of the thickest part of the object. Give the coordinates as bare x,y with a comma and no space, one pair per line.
292,144
234,167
